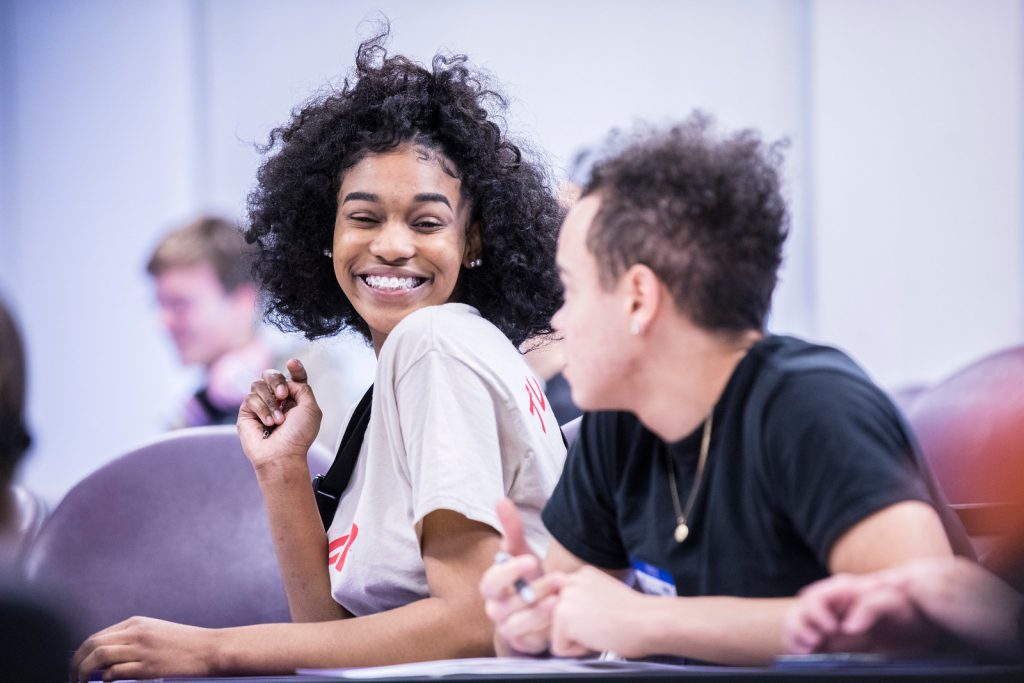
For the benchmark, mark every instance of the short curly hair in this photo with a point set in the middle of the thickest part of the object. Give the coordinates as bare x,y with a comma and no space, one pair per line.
395,101
706,215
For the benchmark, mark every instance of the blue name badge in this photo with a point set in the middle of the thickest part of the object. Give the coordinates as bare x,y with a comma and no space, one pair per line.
652,580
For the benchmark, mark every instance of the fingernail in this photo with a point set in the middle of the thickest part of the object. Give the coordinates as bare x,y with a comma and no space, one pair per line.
501,556
278,416
281,391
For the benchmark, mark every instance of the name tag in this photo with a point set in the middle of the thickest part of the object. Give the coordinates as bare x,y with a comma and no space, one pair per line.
652,580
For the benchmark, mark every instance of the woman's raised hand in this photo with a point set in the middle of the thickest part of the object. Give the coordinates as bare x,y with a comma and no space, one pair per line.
280,418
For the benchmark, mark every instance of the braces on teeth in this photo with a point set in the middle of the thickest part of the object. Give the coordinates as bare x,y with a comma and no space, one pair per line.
382,282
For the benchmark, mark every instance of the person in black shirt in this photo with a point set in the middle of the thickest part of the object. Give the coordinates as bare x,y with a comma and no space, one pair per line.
747,466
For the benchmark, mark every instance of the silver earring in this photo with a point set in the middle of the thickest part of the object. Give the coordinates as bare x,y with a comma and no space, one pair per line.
475,263
634,328
328,253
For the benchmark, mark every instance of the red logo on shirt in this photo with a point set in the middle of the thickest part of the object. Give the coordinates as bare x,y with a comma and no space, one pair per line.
341,544
536,396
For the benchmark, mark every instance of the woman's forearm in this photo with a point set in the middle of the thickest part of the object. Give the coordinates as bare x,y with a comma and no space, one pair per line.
426,629
299,541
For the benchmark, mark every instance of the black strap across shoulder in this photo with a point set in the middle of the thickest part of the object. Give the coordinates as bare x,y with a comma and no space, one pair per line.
327,488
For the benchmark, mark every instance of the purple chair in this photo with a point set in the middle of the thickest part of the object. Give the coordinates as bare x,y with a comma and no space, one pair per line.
175,529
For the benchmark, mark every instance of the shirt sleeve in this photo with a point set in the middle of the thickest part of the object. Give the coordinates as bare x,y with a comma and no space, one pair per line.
581,514
836,453
448,419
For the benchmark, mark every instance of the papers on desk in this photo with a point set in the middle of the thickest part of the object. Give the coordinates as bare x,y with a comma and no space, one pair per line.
496,666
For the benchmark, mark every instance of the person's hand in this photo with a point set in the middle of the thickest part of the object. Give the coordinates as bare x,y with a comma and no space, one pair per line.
141,647
279,418
229,375
595,613
524,627
964,599
851,613
819,610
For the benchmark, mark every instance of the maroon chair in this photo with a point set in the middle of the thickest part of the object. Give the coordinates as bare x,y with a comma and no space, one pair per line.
175,529
971,430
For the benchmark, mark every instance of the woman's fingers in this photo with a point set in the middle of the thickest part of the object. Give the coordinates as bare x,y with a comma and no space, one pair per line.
277,383
262,403
297,370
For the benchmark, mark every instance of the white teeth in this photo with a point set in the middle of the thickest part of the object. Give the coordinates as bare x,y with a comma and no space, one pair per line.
385,282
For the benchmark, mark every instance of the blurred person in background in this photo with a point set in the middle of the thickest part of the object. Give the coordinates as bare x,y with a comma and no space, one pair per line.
209,305
35,641
14,435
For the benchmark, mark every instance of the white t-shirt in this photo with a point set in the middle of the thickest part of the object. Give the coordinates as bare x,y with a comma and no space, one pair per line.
458,421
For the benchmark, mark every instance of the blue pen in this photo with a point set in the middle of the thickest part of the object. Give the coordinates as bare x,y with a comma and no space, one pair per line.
523,589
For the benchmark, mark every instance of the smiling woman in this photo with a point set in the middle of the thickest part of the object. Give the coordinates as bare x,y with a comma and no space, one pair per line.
401,236
396,207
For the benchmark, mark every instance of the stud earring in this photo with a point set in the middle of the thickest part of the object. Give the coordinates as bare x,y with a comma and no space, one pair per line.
328,253
475,263
634,328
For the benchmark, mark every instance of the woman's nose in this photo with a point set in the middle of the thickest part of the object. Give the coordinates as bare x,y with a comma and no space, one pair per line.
393,242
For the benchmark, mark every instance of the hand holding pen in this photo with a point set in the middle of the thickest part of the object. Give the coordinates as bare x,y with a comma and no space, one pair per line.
519,597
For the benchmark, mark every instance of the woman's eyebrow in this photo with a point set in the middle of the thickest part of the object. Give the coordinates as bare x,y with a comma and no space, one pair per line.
432,197
364,196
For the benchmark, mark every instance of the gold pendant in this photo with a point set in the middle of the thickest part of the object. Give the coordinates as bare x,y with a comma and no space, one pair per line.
682,531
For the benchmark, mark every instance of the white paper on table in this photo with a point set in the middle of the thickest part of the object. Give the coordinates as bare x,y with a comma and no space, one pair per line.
493,666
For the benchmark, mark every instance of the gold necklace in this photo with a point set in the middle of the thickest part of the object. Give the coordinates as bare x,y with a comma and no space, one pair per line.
682,530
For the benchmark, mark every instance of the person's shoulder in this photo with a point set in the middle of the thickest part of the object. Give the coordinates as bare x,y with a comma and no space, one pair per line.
454,330
442,324
789,361
813,378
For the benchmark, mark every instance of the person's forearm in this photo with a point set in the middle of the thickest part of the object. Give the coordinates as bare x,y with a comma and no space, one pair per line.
423,630
723,630
299,541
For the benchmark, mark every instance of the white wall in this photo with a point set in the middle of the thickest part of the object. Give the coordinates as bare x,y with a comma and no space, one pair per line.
118,119
919,171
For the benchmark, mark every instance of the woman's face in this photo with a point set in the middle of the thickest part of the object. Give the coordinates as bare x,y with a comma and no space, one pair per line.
400,236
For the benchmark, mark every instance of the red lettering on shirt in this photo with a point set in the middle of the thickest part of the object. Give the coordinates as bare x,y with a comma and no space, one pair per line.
344,543
536,396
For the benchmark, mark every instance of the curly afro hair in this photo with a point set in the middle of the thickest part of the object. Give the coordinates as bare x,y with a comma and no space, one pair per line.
394,101
706,215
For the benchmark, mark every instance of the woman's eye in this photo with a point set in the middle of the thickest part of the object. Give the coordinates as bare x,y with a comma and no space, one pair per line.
427,225
365,220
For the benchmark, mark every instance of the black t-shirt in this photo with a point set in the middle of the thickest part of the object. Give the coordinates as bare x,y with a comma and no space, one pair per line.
803,446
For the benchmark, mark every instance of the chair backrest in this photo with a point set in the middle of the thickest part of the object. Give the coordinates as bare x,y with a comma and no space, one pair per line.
175,529
971,430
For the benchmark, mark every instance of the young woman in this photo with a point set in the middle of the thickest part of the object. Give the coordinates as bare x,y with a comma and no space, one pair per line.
396,207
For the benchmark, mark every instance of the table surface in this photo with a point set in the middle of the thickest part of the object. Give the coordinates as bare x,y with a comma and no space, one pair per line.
902,672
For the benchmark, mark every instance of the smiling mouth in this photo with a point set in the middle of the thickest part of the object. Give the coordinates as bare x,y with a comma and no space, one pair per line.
392,284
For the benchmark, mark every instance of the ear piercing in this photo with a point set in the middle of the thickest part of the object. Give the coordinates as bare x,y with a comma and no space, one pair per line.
634,328
328,253
475,263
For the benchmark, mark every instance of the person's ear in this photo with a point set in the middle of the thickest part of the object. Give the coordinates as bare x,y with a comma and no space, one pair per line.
643,297
473,256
